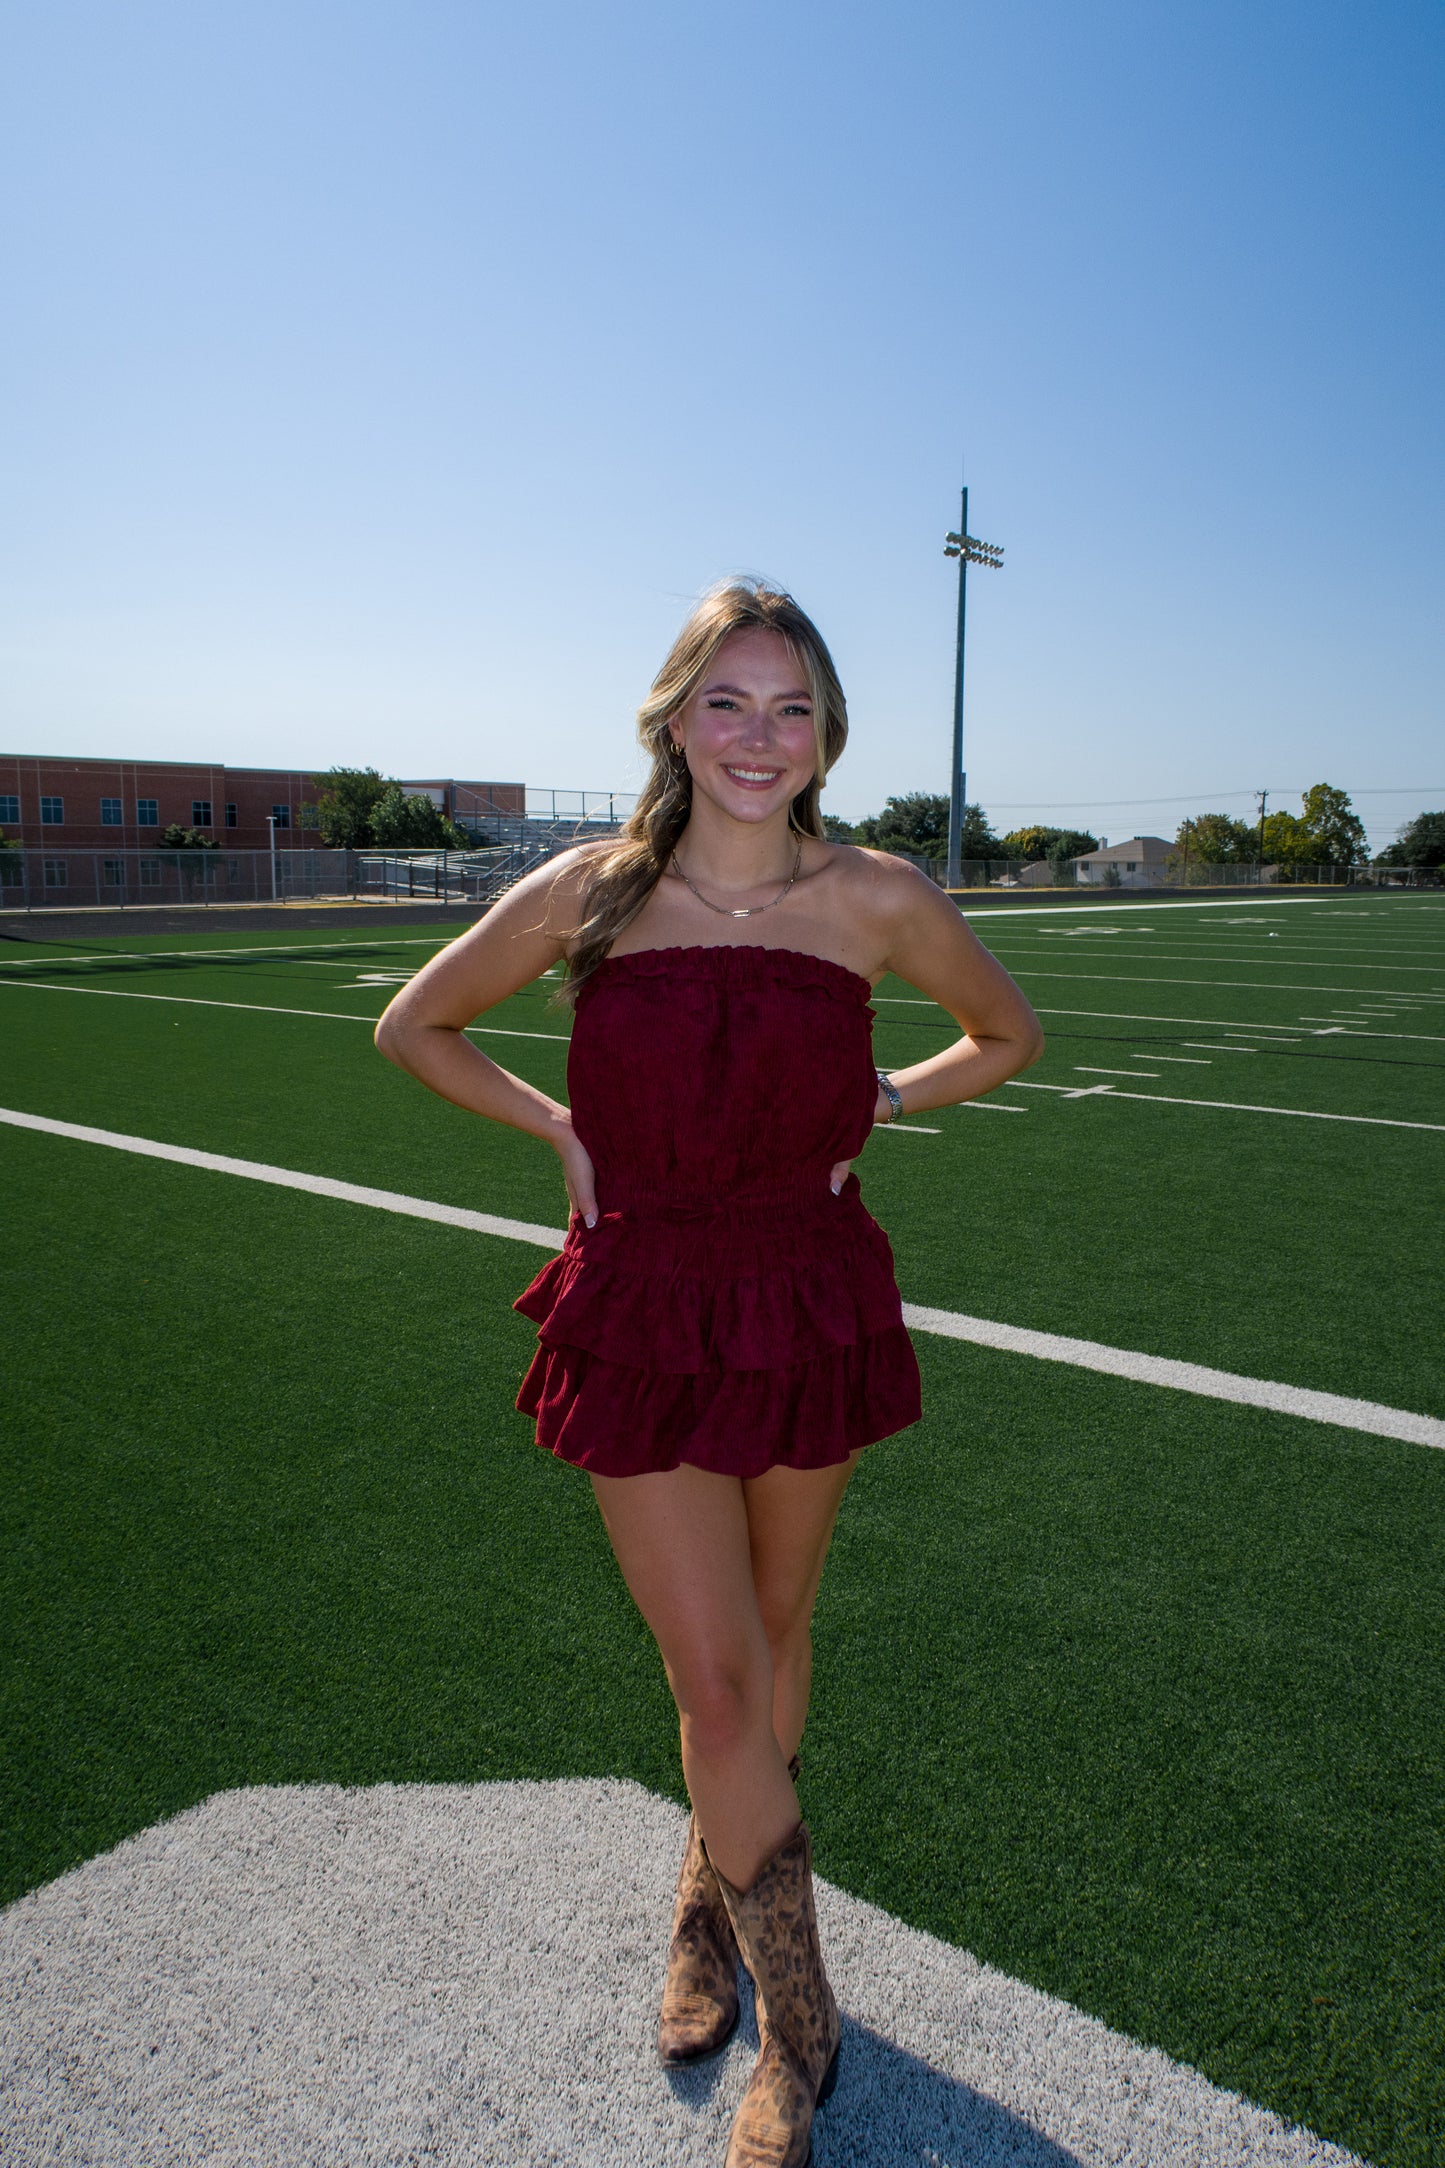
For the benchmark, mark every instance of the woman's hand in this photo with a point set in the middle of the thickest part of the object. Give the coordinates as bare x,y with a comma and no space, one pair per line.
578,1173
882,1112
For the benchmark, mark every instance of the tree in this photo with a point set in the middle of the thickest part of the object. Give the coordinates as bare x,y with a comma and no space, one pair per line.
1217,839
402,823
916,825
916,822
1336,832
343,812
1421,842
1057,845
1288,841
176,838
839,831
1029,844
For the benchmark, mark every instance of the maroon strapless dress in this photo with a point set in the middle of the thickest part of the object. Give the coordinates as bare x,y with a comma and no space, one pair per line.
727,1309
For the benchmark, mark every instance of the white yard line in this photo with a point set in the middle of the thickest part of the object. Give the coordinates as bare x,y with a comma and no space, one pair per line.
1225,1106
262,1008
268,948
1212,1023
1119,1362
1083,1068
1348,1414
1127,910
318,1185
1253,986
1205,956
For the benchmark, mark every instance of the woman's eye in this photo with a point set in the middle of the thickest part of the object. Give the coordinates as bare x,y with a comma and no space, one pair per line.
806,713
722,703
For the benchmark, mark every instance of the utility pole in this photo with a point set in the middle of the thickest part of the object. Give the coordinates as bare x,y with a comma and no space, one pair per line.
271,831
1263,797
968,551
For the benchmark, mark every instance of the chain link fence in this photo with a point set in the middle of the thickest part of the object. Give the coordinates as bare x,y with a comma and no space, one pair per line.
38,880
1174,875
55,879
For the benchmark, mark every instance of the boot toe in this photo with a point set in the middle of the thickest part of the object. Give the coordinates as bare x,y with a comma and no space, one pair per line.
695,2026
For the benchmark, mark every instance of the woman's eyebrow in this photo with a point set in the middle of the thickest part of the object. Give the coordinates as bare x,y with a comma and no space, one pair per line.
739,692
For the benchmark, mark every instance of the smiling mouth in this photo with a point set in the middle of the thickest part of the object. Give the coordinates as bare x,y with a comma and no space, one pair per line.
753,775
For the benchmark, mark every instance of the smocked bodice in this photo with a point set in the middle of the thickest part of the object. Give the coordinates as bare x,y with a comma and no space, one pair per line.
719,1074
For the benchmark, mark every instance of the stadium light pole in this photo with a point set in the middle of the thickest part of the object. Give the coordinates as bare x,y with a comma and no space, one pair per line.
969,551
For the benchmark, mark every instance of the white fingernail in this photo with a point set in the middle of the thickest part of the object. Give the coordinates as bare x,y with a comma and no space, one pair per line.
837,1188
592,1219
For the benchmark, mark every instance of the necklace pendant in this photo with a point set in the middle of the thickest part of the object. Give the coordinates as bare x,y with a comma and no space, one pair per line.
742,914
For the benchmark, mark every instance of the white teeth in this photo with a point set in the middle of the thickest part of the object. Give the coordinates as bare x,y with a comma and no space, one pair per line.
756,775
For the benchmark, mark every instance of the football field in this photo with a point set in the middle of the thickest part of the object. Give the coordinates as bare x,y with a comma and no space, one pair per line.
1128,1671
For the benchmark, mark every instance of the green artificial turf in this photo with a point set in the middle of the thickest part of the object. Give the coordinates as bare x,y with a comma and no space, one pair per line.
1135,1694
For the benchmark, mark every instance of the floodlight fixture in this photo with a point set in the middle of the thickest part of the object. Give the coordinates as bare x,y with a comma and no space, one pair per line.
977,553
968,550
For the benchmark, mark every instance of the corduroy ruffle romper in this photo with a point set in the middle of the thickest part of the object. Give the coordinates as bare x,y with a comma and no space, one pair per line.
727,1309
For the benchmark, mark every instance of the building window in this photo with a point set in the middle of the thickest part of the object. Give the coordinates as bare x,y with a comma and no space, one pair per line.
110,815
52,812
200,812
12,870
150,873
57,874
147,813
115,872
281,815
9,809
230,813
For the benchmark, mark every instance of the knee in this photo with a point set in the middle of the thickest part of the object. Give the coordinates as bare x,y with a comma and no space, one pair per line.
789,1633
721,1705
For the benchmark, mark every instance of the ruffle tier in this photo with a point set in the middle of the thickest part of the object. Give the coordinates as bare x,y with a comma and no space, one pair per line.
683,1297
735,1338
613,1419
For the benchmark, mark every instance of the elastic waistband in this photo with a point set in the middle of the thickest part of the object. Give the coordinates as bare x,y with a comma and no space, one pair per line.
685,1205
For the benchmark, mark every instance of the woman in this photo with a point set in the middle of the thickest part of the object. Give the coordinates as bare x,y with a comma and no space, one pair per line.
722,1334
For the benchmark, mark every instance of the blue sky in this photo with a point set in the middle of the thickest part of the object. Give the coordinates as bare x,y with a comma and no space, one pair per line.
388,377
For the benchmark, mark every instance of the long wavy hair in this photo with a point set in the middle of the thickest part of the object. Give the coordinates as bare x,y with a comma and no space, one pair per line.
620,879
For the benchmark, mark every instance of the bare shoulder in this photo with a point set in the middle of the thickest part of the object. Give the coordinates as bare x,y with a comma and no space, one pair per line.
550,896
887,894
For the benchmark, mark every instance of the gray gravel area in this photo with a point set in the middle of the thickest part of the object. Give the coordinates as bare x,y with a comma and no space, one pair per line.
468,1974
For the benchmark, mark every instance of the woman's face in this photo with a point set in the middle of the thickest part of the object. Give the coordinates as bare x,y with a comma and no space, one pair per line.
748,729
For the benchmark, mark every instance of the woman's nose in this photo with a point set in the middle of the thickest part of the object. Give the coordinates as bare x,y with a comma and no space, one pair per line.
757,733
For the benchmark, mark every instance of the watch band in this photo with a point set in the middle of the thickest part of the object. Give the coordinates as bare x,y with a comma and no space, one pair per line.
892,1094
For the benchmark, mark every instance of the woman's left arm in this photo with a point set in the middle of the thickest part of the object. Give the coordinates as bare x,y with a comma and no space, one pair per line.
931,945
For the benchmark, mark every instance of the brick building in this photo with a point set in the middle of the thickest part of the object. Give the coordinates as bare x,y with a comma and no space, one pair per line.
92,805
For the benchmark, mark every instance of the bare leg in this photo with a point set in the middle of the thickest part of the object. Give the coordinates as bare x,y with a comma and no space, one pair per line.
681,1540
686,1542
791,1513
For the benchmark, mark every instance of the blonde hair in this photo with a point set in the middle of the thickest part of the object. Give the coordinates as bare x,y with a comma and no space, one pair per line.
621,878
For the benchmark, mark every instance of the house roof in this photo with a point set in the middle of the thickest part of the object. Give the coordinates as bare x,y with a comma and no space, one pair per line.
1143,850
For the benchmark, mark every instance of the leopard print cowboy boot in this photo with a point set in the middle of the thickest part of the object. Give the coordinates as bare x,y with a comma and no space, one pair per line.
700,1992
777,1931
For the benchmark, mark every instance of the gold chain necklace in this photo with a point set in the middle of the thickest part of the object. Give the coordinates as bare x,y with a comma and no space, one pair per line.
750,910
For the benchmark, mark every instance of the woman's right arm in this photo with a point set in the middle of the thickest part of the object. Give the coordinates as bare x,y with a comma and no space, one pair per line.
422,1030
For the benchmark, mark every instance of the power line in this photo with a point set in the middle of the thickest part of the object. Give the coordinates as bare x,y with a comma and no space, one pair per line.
1193,797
